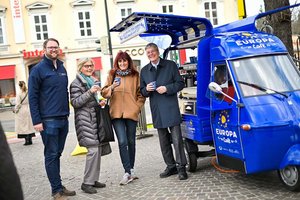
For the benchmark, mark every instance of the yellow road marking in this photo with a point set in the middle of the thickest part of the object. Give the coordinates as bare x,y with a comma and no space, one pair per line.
10,135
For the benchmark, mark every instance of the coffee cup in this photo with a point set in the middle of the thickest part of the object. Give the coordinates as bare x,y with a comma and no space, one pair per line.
97,83
153,83
118,80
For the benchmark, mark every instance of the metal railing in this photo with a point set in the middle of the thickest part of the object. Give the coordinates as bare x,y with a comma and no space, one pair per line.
142,125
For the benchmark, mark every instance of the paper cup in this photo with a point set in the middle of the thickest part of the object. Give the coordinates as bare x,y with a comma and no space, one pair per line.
98,83
154,84
118,79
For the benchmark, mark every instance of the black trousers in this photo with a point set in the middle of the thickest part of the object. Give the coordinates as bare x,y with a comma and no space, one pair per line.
166,146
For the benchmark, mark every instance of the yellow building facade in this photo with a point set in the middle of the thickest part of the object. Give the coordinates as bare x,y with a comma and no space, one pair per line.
77,24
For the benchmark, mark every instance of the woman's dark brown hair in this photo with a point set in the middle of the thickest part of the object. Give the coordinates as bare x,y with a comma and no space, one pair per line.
22,86
123,56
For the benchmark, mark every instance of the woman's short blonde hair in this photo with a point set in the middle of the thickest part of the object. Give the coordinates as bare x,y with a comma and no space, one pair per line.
82,61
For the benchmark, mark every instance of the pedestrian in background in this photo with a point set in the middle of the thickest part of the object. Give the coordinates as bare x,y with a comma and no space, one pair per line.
161,81
85,101
49,108
23,122
123,88
10,185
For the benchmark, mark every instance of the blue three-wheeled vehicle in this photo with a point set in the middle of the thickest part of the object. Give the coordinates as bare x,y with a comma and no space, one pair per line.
242,94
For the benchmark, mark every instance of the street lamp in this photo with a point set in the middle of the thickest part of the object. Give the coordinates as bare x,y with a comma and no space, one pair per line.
108,33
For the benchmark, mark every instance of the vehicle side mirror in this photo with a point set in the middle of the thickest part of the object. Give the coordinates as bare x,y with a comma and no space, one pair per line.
213,86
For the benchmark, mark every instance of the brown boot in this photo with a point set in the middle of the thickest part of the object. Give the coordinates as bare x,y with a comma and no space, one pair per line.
59,196
67,192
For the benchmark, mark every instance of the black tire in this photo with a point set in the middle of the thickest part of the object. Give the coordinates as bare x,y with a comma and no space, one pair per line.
290,177
191,158
192,162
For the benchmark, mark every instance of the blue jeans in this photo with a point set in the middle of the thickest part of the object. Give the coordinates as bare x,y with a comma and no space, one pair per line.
126,131
54,137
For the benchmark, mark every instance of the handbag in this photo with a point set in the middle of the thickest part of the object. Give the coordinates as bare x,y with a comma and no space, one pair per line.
105,130
106,149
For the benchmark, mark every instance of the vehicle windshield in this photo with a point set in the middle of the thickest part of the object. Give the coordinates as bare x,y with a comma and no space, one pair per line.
275,72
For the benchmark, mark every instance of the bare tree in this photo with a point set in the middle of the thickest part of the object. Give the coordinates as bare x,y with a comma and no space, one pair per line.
296,25
281,22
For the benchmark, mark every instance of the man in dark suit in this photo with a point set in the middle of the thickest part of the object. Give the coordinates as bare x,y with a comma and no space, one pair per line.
160,81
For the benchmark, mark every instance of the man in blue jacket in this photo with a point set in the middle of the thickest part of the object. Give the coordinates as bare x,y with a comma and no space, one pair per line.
164,108
49,108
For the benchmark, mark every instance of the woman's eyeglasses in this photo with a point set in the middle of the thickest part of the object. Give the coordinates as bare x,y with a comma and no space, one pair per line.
88,66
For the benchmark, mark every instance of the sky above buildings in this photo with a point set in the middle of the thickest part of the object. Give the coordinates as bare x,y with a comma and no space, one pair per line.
253,6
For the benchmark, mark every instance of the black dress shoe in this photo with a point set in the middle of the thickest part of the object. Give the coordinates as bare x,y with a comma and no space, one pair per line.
182,175
88,189
168,172
99,185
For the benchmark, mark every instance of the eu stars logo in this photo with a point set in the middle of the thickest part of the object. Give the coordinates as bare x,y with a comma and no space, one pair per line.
223,119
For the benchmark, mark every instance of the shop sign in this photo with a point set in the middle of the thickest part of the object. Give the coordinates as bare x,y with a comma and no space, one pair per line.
36,53
135,52
16,11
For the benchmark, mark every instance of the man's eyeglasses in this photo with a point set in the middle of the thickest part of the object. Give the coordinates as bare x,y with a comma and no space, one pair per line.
88,66
53,48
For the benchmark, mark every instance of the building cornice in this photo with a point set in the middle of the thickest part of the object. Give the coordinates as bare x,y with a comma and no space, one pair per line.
124,1
38,6
82,3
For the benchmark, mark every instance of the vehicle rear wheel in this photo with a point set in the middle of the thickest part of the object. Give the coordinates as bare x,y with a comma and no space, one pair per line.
290,177
192,162
191,159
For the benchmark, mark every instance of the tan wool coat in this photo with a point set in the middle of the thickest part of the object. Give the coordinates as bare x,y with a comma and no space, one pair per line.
23,122
126,100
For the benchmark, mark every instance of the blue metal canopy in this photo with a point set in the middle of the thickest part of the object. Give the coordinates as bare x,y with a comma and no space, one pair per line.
183,30
180,28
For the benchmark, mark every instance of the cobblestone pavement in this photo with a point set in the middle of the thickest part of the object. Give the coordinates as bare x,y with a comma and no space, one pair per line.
206,183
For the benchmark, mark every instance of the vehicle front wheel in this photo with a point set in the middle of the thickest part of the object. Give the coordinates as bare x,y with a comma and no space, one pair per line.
290,177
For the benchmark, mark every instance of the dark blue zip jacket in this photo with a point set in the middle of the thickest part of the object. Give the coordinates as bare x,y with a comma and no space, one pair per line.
48,91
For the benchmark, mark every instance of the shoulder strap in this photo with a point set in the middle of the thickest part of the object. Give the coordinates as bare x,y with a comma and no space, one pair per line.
24,97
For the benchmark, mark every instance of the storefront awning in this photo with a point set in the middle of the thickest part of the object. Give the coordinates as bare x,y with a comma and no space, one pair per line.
98,63
7,72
